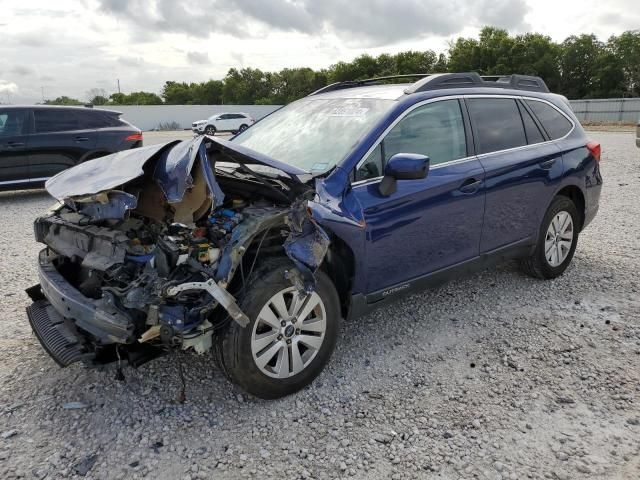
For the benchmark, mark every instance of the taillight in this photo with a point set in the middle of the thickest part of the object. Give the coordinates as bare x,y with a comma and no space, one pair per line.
134,137
595,149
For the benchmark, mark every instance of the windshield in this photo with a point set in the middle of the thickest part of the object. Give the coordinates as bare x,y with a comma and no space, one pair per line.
314,134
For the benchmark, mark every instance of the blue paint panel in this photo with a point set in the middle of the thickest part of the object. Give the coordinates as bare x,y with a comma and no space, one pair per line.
425,225
519,185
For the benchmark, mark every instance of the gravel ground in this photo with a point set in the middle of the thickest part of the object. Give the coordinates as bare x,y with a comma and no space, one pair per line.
494,376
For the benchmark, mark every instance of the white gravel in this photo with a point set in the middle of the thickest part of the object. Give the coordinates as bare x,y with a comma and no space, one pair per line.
495,376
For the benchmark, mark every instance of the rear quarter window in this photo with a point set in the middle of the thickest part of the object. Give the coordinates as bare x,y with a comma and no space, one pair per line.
555,124
497,124
98,119
92,119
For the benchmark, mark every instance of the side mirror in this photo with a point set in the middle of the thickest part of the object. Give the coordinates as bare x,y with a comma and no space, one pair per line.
403,166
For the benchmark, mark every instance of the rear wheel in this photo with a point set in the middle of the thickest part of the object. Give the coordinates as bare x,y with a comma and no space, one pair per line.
290,337
557,240
210,130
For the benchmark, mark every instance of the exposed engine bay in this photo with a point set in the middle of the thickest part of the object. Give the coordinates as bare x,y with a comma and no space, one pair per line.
151,248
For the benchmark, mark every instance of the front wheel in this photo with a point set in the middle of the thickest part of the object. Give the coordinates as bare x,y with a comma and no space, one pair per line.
557,240
210,130
242,128
290,337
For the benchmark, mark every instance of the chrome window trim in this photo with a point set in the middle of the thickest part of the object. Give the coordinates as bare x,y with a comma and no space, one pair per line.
464,159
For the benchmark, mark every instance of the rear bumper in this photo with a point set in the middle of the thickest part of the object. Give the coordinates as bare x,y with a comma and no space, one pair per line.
96,317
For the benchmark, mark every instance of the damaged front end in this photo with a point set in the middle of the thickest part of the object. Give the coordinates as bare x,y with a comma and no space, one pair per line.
149,249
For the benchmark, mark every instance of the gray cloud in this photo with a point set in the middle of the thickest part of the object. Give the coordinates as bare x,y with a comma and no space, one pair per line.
30,39
130,61
198,58
367,22
502,13
628,21
22,70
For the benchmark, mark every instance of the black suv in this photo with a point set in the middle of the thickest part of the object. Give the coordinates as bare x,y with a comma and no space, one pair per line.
36,142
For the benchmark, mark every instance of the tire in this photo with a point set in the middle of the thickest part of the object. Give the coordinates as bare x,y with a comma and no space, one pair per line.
552,255
238,349
243,127
210,130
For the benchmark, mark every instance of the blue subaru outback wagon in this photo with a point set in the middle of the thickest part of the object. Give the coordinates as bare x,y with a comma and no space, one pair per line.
336,204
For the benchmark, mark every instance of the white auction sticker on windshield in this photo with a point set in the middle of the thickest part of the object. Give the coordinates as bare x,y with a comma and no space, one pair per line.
319,167
348,112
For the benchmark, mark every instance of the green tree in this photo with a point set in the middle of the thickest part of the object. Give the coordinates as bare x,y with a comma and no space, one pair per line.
415,62
97,96
536,54
247,86
207,93
442,65
98,100
63,100
290,84
135,98
608,78
177,93
491,54
626,47
578,58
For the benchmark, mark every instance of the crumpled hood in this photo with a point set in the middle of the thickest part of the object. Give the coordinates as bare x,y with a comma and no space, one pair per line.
172,171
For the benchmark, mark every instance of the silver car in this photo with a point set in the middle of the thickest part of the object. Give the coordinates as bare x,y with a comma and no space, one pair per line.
223,122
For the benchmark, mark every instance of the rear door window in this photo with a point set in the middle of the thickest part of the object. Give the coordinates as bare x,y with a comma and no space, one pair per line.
555,123
54,120
13,122
497,124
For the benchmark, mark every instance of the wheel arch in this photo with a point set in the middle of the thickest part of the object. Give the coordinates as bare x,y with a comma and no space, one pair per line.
576,195
339,264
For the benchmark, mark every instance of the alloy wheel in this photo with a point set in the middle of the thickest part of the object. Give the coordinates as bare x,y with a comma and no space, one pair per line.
559,238
288,333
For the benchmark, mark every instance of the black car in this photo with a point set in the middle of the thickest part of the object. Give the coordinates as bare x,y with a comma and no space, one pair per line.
37,142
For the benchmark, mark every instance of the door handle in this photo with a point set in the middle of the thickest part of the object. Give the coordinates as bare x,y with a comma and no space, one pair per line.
470,185
81,139
15,144
547,164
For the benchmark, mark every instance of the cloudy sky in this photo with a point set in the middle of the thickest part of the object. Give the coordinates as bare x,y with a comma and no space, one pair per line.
67,47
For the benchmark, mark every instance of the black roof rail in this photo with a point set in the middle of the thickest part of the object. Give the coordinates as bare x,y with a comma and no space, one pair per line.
472,79
518,82
367,81
445,80
436,81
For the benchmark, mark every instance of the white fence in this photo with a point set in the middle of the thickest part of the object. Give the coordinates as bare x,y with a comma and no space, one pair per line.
609,110
149,117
